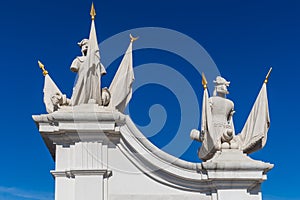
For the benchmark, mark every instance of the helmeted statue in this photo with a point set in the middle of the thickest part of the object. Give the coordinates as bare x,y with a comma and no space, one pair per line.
222,110
89,69
217,129
217,125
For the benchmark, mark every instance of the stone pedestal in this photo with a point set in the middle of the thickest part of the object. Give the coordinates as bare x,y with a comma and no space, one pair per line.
101,155
81,171
78,138
235,175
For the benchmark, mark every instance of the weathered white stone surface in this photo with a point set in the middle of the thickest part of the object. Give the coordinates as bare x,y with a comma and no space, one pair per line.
100,154
217,129
89,69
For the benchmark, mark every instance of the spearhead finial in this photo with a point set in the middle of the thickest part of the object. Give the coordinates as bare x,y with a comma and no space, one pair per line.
45,72
93,12
268,75
132,39
204,81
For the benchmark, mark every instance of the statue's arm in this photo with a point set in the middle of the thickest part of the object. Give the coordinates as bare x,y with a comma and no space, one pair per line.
231,113
75,65
102,69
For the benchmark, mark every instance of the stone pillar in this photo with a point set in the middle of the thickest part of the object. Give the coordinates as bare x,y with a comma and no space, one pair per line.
78,139
64,185
80,171
236,176
89,184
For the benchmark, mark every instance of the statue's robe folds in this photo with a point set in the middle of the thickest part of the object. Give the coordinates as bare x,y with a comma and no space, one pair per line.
88,82
90,69
215,122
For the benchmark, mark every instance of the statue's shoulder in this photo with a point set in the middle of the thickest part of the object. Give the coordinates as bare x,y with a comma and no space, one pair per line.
80,58
218,100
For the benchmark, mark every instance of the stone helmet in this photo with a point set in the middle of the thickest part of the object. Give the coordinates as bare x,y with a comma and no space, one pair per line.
220,86
221,81
84,45
83,42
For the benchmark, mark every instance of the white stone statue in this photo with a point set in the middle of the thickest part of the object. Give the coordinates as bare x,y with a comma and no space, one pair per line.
217,129
90,70
87,88
100,154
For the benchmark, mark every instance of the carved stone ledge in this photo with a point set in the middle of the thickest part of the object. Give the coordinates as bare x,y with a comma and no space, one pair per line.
86,172
232,169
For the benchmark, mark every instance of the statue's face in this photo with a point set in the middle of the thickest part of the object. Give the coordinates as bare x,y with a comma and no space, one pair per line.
222,89
84,48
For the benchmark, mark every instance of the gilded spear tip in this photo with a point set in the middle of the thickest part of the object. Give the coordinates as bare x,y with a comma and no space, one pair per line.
204,81
132,39
45,72
268,75
93,12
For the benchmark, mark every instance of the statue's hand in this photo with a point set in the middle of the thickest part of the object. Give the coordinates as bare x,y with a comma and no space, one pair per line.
230,115
232,112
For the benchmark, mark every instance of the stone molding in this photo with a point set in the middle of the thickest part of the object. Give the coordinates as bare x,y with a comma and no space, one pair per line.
82,172
228,169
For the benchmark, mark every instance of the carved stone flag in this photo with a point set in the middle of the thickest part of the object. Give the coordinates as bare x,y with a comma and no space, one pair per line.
210,139
50,89
121,86
254,134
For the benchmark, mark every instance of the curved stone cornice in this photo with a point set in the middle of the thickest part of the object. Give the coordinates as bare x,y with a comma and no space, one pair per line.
159,165
90,122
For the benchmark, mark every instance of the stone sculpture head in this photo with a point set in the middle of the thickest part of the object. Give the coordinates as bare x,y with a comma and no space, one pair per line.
221,86
84,44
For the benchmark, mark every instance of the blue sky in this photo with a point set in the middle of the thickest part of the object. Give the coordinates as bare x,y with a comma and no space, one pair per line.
244,38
